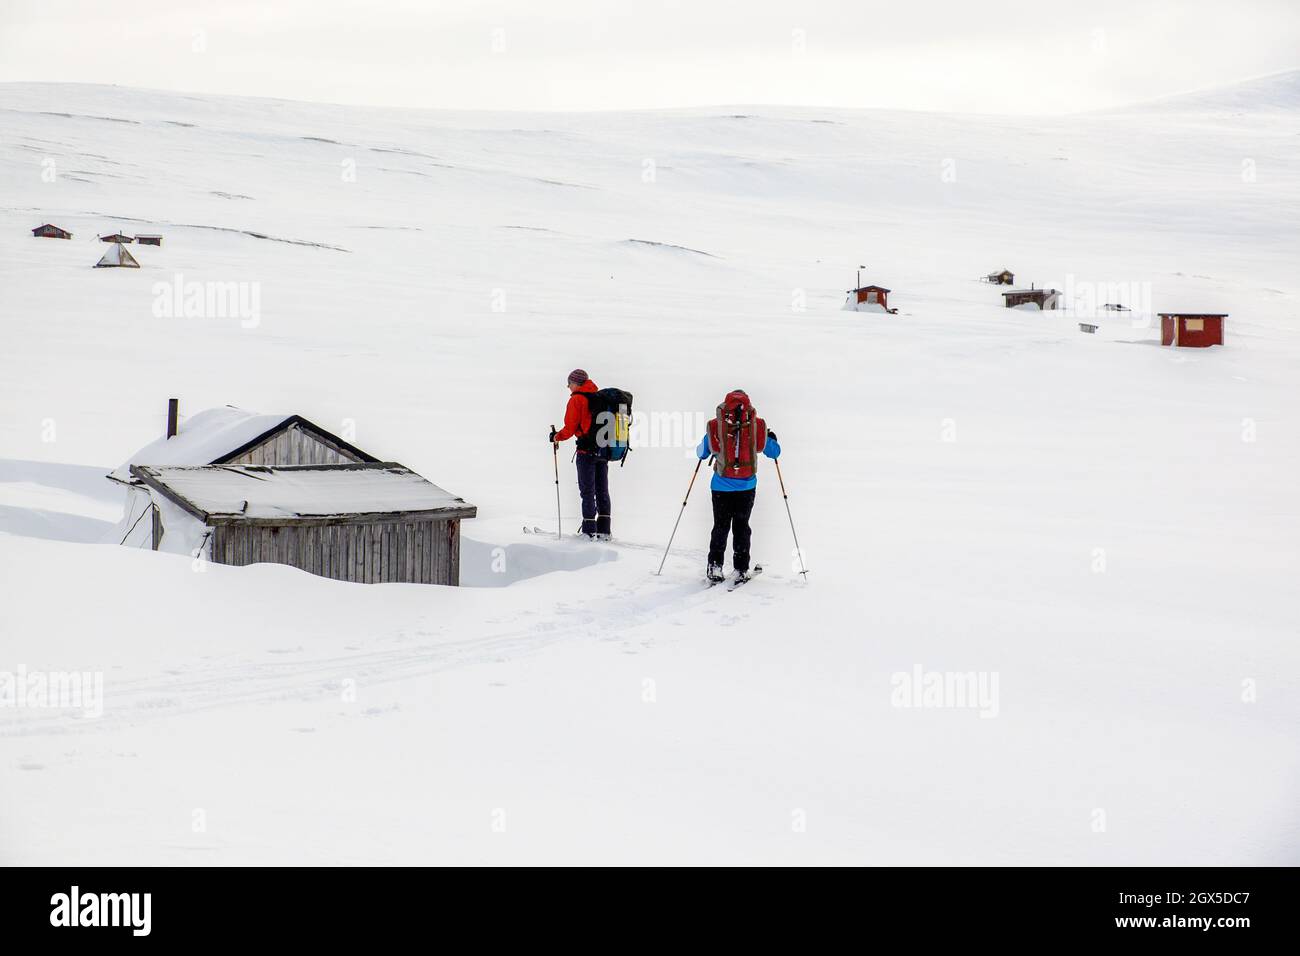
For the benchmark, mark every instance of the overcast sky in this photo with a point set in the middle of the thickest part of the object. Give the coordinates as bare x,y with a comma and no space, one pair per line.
997,55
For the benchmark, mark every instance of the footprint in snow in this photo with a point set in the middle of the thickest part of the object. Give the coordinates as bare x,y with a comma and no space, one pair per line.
284,650
31,766
304,730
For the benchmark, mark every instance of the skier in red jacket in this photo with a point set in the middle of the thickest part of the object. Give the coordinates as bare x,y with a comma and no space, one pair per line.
593,472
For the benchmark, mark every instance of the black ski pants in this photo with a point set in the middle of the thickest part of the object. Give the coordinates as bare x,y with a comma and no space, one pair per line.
731,514
593,485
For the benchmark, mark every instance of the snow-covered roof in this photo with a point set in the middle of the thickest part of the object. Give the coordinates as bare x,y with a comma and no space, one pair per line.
203,438
301,491
219,435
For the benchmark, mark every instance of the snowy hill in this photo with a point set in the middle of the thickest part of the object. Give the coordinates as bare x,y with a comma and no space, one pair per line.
1103,527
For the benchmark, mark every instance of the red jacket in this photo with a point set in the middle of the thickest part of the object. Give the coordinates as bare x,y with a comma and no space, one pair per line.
577,414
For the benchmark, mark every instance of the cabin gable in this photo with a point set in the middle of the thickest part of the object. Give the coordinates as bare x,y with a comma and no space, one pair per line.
296,442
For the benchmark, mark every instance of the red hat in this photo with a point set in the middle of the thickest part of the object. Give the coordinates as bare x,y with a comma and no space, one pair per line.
577,377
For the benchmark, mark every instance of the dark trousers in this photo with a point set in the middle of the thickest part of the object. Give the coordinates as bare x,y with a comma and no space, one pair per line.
593,485
731,514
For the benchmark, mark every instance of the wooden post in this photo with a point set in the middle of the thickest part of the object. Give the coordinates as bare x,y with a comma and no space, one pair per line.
173,413
157,527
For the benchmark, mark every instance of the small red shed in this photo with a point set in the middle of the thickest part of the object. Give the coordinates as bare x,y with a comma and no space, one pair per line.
1195,330
871,295
49,231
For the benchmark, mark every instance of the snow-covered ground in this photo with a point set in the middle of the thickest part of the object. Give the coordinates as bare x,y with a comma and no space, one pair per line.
1103,531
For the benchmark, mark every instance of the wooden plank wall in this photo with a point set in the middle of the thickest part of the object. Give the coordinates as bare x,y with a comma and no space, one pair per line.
417,552
293,446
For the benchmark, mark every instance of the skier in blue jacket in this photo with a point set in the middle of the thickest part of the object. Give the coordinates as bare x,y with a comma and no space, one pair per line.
735,479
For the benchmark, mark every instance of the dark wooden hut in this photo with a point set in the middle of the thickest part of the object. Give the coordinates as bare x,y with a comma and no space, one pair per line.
1043,298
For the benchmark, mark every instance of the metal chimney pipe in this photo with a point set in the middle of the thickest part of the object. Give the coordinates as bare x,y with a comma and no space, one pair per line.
173,413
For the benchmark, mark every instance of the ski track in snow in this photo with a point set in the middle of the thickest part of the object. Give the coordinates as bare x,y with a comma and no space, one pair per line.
421,653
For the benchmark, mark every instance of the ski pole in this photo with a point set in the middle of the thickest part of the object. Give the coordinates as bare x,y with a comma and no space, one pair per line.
679,515
555,457
797,550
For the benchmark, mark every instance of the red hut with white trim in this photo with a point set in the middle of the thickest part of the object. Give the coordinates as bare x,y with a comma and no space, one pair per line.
1195,330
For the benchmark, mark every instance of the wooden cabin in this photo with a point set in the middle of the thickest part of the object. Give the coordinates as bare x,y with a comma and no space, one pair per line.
50,231
149,239
1005,277
1043,298
116,237
370,523
1195,330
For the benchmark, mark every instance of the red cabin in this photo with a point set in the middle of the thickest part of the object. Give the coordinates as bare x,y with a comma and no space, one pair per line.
872,295
1195,330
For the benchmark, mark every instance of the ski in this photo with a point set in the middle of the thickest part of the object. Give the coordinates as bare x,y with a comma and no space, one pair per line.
578,537
738,581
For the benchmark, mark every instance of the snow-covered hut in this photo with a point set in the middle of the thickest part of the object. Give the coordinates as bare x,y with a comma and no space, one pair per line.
117,256
116,237
868,298
1195,330
50,231
148,239
1034,298
371,523
1005,277
220,436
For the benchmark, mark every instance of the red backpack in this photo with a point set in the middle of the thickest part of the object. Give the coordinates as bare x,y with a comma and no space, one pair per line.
737,437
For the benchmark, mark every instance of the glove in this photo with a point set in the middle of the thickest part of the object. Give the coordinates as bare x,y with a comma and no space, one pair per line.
552,439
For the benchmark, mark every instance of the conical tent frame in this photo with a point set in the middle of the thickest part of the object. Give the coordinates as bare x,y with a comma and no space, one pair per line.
117,255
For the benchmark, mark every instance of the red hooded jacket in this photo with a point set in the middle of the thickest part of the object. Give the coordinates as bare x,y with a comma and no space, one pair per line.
577,414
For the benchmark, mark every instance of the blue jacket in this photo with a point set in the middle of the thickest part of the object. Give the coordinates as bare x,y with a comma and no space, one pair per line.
721,483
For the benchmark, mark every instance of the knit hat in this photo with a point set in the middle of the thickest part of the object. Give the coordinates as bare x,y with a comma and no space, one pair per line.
577,377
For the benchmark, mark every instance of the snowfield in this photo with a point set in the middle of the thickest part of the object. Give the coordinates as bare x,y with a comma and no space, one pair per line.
1102,533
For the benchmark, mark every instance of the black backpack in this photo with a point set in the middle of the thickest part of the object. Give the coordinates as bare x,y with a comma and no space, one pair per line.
611,422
